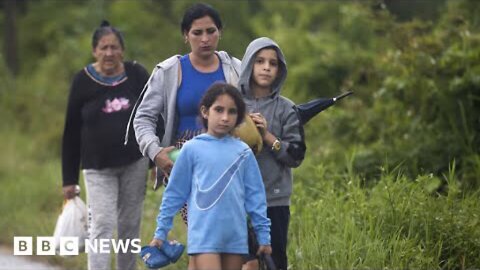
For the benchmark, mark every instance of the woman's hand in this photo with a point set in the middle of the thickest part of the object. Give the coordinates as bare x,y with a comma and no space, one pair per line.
156,243
163,161
264,250
69,192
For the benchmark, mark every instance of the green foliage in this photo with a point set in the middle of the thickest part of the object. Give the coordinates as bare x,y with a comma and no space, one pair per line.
416,94
396,224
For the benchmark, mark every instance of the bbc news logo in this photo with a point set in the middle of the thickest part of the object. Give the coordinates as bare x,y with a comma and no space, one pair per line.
68,246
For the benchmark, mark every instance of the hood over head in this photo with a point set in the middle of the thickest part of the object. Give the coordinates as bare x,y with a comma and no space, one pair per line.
247,66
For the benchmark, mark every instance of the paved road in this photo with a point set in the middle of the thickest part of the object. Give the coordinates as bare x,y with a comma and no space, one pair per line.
10,262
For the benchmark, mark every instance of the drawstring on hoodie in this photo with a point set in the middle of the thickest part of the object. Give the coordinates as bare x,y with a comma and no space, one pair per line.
135,107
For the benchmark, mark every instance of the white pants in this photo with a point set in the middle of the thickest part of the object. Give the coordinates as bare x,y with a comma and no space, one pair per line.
115,200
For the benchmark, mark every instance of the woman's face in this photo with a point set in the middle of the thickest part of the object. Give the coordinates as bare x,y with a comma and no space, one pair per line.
109,54
203,37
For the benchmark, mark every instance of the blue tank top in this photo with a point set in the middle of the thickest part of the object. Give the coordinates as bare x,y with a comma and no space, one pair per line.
194,85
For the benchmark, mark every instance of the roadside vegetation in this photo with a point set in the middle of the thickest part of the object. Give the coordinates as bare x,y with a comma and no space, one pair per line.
392,174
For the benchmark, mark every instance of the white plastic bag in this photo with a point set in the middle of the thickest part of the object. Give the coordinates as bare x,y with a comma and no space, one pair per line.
72,222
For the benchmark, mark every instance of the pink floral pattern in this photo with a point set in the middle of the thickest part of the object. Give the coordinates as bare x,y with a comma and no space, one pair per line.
116,105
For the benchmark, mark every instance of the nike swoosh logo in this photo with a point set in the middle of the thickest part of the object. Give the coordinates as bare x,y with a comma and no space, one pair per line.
206,198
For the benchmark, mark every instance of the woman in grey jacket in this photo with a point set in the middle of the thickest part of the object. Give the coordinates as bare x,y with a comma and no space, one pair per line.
176,85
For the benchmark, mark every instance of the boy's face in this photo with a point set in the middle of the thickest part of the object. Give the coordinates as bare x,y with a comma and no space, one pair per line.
265,68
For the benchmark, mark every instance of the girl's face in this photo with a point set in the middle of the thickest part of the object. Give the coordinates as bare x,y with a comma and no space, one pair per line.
221,116
265,68
203,37
109,54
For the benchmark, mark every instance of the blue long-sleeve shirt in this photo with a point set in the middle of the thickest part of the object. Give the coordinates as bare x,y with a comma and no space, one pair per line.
220,180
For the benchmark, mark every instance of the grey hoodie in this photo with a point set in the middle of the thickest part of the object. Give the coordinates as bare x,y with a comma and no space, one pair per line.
159,99
282,122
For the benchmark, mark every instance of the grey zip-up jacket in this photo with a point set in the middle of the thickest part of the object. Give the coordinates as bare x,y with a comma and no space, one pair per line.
159,99
283,122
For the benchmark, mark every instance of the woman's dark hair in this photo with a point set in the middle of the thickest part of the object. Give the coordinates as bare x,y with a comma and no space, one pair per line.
103,30
198,11
218,89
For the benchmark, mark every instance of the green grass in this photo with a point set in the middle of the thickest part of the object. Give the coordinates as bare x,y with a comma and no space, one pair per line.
399,223
339,220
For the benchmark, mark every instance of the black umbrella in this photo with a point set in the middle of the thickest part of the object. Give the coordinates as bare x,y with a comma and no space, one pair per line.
308,110
265,261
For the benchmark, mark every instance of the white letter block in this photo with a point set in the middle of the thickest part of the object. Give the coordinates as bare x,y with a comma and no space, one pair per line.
22,245
45,245
68,246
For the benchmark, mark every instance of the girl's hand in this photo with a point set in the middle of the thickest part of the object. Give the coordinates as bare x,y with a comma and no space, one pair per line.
156,243
264,250
163,161
260,122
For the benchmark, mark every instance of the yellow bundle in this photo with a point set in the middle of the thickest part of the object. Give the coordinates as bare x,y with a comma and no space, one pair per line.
249,134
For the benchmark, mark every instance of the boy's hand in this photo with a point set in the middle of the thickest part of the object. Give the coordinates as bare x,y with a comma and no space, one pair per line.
156,243
260,122
264,250
262,125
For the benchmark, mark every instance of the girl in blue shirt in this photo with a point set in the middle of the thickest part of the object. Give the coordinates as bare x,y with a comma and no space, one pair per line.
218,176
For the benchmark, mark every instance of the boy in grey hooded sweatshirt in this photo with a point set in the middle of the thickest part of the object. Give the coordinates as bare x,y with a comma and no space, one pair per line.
263,73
